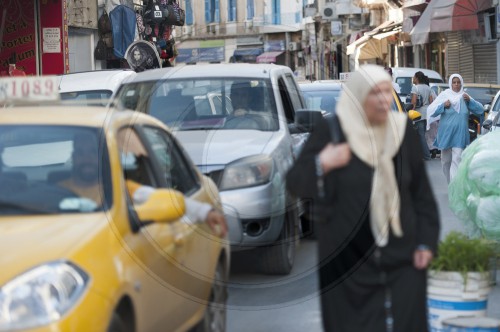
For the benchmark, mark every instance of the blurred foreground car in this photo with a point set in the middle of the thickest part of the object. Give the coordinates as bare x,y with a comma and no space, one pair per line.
92,87
95,261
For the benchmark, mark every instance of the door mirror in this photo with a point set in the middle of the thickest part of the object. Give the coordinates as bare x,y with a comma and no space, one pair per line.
162,206
487,124
306,119
487,107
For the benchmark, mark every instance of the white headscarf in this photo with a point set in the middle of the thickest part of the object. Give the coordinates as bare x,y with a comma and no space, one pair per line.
376,146
448,94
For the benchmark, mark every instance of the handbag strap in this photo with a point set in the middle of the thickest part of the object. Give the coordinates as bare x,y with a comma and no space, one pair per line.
336,131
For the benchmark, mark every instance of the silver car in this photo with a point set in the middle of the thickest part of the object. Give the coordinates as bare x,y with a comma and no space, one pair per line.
246,152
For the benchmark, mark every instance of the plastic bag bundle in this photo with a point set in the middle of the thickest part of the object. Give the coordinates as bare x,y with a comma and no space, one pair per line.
474,193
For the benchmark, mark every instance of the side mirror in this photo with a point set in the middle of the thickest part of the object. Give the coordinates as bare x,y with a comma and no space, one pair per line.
408,107
162,206
306,119
487,124
487,107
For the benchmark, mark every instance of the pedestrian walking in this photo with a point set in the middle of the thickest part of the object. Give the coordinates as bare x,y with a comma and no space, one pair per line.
377,220
452,108
421,97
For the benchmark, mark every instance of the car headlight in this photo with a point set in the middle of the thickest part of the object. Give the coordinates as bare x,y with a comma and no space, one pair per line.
41,295
247,172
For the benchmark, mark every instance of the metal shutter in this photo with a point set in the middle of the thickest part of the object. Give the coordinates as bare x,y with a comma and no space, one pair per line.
485,63
460,57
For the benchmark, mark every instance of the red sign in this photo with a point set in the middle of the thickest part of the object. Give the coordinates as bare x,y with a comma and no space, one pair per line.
18,34
54,37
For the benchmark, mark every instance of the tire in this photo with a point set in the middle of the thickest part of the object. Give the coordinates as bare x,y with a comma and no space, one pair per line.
278,258
214,319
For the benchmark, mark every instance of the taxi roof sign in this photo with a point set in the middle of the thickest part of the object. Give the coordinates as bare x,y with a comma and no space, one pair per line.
29,88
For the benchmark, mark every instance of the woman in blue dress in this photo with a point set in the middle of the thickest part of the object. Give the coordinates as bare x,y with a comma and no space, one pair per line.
452,108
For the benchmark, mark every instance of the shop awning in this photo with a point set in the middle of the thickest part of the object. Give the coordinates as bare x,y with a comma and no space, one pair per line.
448,15
418,5
247,54
268,57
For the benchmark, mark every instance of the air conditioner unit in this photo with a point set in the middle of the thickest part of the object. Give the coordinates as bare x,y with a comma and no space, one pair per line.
292,46
187,30
329,12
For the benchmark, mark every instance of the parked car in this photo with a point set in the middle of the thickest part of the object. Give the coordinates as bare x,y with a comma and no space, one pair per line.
71,263
323,96
247,157
489,123
437,88
404,77
482,92
92,87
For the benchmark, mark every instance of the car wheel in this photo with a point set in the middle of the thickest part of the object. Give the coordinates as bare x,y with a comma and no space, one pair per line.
279,257
214,319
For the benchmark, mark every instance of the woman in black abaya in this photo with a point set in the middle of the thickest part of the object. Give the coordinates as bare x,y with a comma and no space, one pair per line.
376,217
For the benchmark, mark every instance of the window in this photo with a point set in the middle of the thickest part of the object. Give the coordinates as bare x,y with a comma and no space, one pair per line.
276,12
231,8
291,100
53,169
250,9
212,11
189,12
173,166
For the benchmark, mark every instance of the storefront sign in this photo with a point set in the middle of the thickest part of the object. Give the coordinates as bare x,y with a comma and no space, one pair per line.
54,37
51,40
274,46
344,76
336,28
18,35
200,54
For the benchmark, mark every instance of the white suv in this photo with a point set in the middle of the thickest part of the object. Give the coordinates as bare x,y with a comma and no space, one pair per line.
246,156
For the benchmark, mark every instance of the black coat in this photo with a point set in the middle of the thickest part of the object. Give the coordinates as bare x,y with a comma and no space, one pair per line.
357,277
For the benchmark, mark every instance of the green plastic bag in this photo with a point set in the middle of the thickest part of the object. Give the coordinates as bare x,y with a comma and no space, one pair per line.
474,193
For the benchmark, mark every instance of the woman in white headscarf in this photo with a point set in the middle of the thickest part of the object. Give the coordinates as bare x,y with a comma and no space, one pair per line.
376,218
452,108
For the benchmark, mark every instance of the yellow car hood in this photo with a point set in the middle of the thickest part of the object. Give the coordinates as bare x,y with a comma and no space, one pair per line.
27,241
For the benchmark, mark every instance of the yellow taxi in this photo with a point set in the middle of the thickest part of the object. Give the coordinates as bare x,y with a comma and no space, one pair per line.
94,259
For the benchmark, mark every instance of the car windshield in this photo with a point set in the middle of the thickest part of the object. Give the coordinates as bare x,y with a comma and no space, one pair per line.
205,104
88,98
483,95
53,169
322,100
405,84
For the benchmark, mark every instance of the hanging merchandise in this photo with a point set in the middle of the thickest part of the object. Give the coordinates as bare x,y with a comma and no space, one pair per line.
142,55
163,13
123,23
104,47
